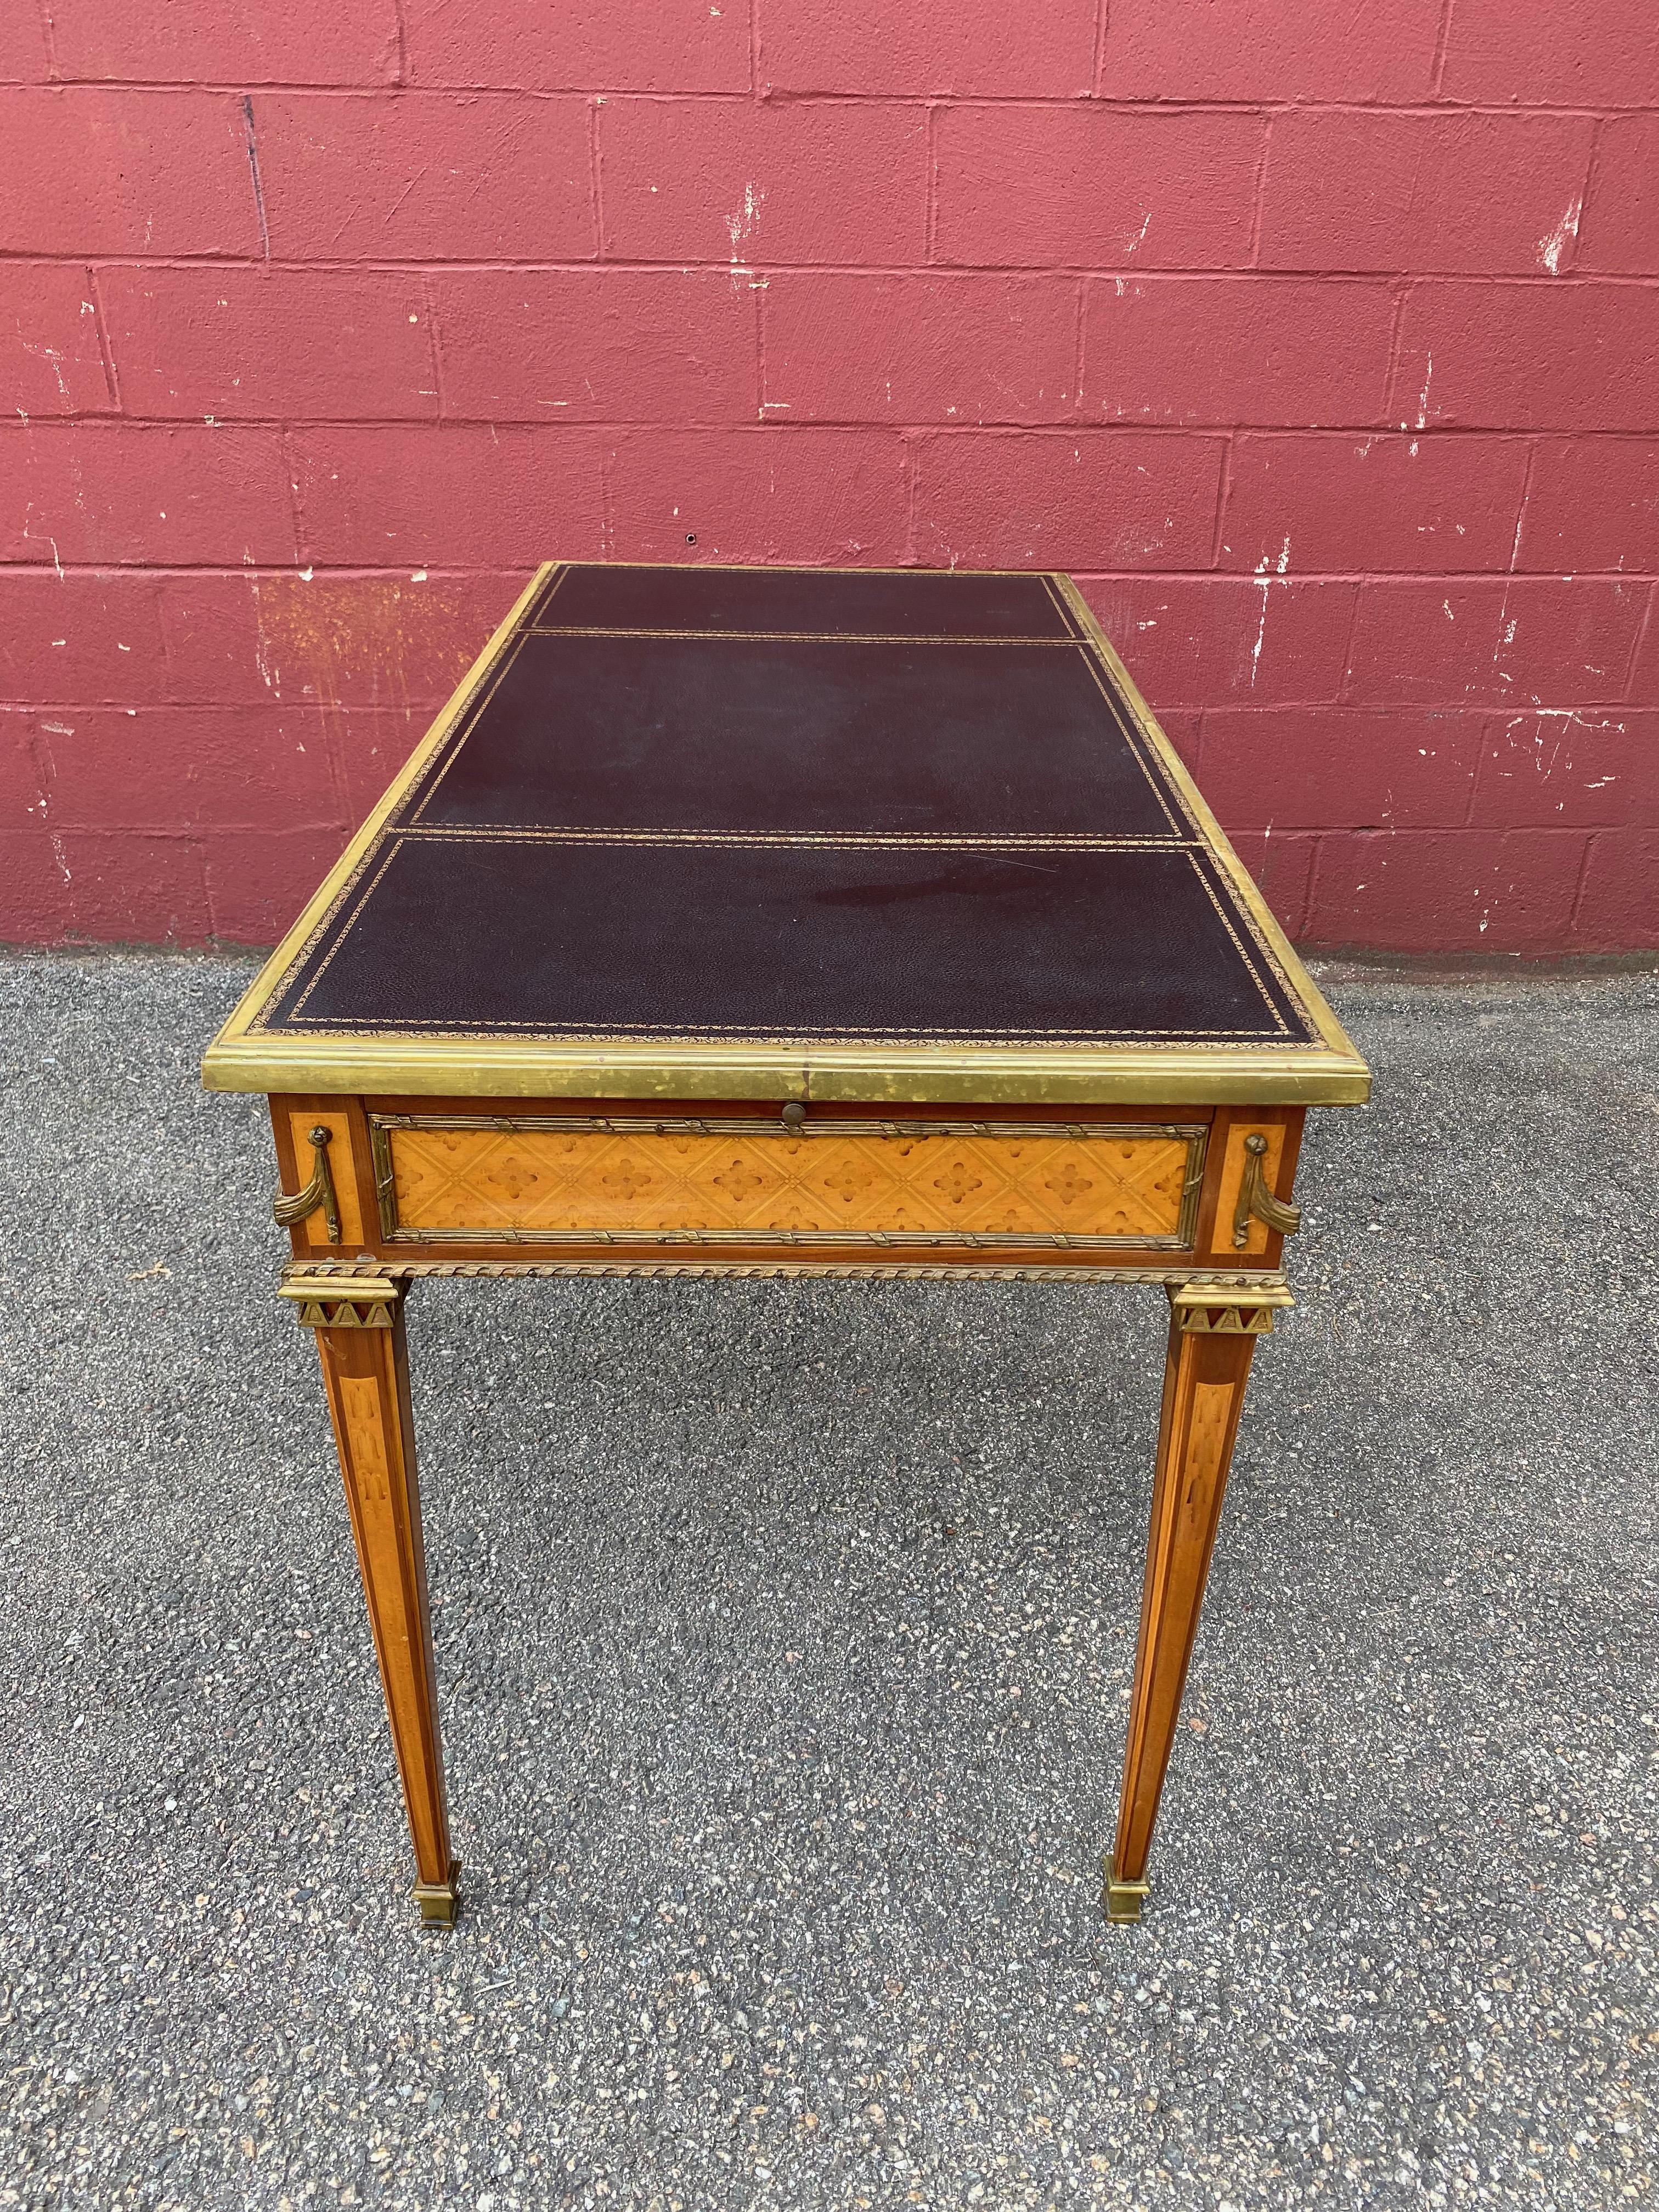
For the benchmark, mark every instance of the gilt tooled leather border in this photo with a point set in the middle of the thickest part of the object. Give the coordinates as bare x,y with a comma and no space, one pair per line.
1187,836
386,850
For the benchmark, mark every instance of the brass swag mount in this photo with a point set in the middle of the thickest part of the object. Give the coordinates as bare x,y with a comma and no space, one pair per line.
289,1212
1256,1202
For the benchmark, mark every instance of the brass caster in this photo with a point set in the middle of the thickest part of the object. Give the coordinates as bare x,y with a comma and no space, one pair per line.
1121,1901
439,1901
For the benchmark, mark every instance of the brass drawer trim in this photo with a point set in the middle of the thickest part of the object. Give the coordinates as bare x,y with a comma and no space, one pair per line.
1178,1236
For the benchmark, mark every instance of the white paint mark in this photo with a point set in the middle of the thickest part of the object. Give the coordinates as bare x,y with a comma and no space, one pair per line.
1423,396
417,576
1551,248
740,229
1139,238
59,729
1262,626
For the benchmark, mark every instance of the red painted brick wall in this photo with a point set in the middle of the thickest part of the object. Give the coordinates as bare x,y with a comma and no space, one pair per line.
1321,341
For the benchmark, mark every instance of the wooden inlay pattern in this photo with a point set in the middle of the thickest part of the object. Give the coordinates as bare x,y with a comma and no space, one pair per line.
1128,1184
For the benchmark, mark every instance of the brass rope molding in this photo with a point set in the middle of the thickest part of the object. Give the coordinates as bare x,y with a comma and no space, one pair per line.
317,1280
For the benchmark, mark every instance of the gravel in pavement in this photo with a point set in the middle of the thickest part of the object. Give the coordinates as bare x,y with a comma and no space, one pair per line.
784,1632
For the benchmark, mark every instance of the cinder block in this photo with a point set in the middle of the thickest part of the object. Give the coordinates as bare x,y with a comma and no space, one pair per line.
168,768
337,640
682,45
1579,356
248,343
1198,641
1236,349
1044,49
1575,769
149,492
22,771
425,176
257,882
35,895
1095,187
461,495
51,361
1619,232
760,183
205,42
130,887
1345,768
400,643
1617,909
1282,868
23,58
1495,641
563,345
1354,188
1602,54
215,641
918,349
1439,890
86,170
1269,50
1644,686
1088,499
79,638
1592,503
770,494
1298,502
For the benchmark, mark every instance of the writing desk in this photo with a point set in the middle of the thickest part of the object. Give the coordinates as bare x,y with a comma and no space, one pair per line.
788,922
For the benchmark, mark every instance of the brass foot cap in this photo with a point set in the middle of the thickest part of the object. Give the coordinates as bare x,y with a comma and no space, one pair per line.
439,1901
1121,1901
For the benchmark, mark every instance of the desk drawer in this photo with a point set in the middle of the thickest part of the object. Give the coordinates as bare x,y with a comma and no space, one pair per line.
751,1181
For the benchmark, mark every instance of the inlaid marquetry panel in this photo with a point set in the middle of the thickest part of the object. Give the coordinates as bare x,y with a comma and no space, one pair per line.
751,1181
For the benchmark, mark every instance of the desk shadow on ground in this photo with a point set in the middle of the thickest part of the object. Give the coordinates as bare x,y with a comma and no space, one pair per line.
783,1632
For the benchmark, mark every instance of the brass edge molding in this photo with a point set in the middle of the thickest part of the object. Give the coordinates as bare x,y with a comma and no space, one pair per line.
851,1240
833,1074
1335,1038
792,1126
804,568
755,1125
1256,1201
264,984
288,1212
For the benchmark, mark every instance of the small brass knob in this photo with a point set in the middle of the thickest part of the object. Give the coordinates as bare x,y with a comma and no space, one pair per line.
794,1117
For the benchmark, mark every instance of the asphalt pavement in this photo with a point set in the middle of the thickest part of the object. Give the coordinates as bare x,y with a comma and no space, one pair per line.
783,1632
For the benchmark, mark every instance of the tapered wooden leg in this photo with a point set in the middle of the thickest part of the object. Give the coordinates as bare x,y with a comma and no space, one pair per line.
1213,1333
366,1373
